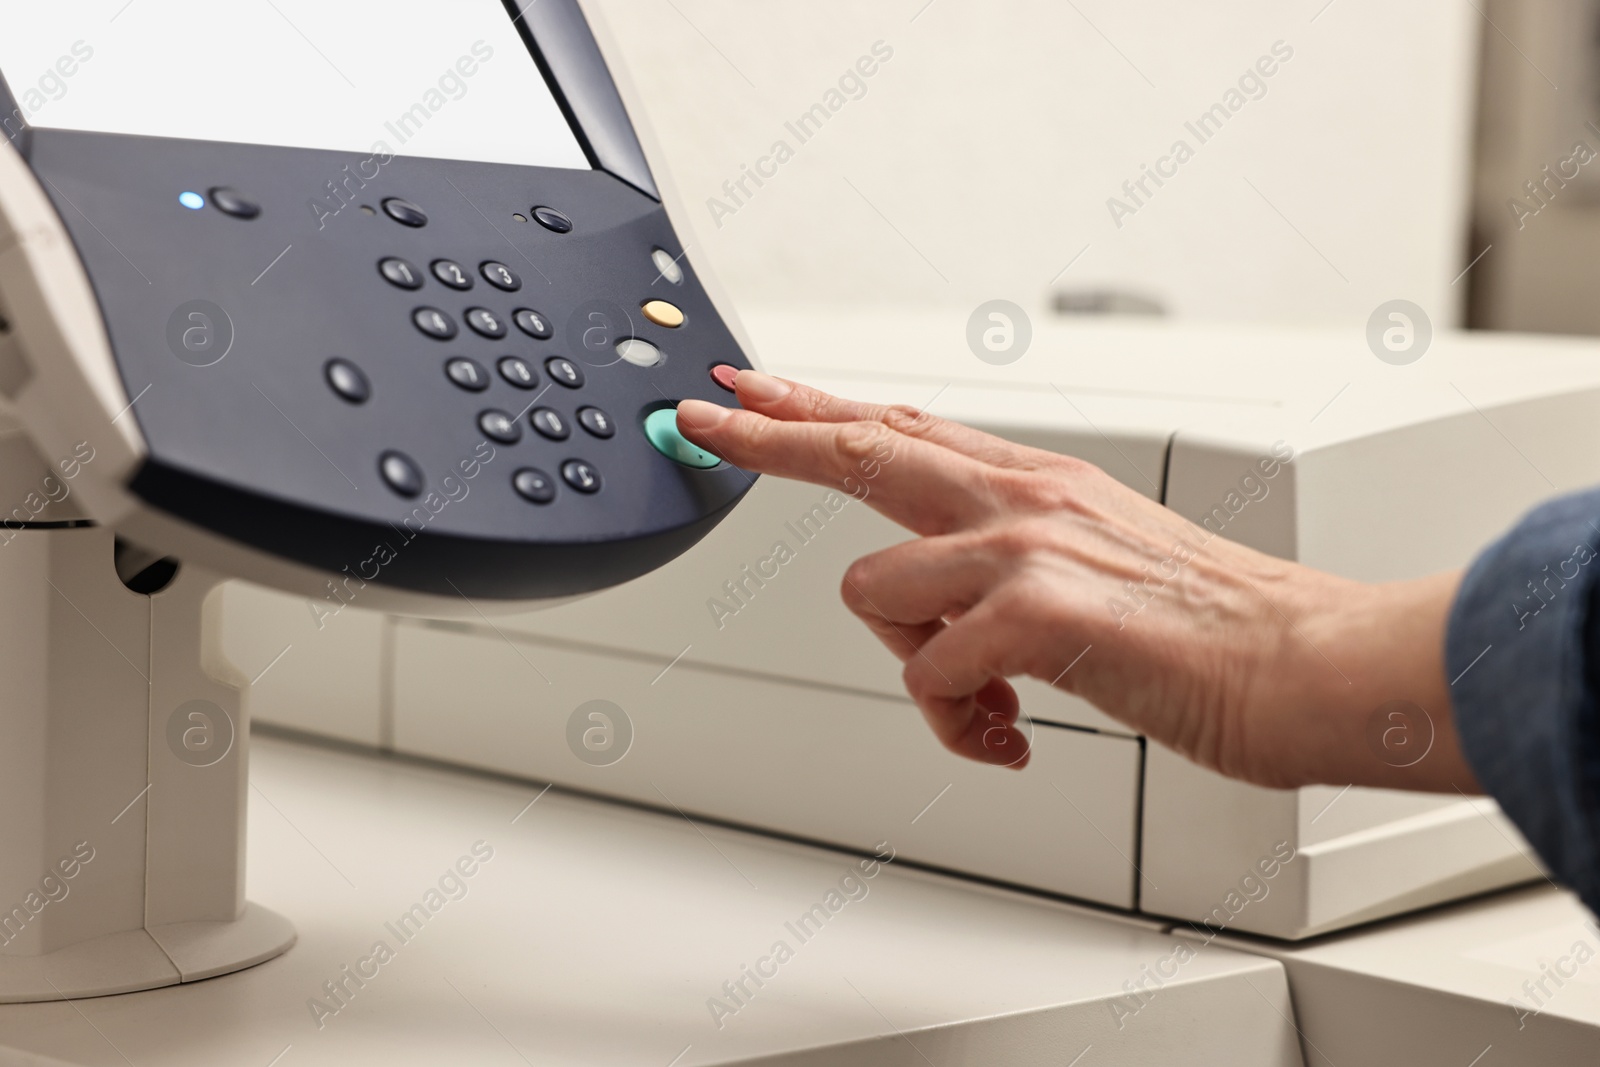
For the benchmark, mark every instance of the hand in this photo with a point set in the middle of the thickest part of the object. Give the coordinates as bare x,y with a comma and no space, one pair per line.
1253,666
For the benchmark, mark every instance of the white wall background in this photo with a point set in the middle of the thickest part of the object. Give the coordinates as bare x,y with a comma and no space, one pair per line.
979,164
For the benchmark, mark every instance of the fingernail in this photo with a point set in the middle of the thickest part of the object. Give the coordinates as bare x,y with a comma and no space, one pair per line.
700,415
762,388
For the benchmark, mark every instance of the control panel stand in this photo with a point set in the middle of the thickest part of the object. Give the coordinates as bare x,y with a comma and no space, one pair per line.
123,771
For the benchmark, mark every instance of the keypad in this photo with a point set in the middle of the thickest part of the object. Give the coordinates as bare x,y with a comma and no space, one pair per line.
550,424
597,422
581,476
533,324
518,372
498,426
435,323
468,373
500,276
534,485
485,323
449,272
398,272
564,371
442,319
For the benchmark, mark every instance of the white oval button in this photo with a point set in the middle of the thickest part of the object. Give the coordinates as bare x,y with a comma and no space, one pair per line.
667,266
639,353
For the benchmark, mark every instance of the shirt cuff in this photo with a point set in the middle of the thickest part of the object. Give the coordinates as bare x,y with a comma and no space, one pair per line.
1523,662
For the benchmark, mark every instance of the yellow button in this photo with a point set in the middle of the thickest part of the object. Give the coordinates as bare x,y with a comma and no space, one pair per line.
663,314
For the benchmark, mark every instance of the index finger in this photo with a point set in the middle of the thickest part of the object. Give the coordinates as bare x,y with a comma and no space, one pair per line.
795,402
922,486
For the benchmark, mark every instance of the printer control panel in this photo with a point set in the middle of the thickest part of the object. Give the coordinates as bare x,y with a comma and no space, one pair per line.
457,369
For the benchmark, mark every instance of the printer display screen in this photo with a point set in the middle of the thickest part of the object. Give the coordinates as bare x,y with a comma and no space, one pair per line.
446,79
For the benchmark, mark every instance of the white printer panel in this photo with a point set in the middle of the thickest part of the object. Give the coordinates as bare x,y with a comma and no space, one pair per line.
807,760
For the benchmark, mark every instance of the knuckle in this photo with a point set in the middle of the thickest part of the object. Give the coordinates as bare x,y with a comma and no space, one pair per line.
1048,490
1008,540
1025,600
1020,539
1044,616
903,418
860,441
758,434
812,403
1024,488
1072,466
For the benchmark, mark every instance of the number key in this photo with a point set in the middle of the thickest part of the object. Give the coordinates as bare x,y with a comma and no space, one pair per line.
516,371
450,273
534,485
485,323
498,426
596,422
549,424
398,272
533,324
500,276
564,371
468,374
435,323
581,476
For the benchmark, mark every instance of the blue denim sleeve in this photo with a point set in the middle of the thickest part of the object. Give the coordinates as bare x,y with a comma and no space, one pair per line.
1523,653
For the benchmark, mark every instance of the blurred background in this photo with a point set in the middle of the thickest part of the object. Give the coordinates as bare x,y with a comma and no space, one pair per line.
986,154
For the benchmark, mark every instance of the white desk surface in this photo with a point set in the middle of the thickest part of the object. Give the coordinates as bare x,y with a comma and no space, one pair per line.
597,933
1436,989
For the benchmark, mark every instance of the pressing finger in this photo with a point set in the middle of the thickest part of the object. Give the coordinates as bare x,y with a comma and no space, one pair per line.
920,485
789,401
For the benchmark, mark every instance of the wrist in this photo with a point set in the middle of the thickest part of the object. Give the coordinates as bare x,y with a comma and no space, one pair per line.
1380,706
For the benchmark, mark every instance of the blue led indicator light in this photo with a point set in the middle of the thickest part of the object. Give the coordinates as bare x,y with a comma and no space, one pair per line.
192,201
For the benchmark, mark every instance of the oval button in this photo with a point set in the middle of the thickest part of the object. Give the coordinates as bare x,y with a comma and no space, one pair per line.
346,379
663,314
534,485
552,220
639,353
661,427
400,473
581,476
405,212
549,424
232,202
667,266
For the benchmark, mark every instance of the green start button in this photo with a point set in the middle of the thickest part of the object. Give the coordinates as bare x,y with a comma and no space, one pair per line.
661,427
